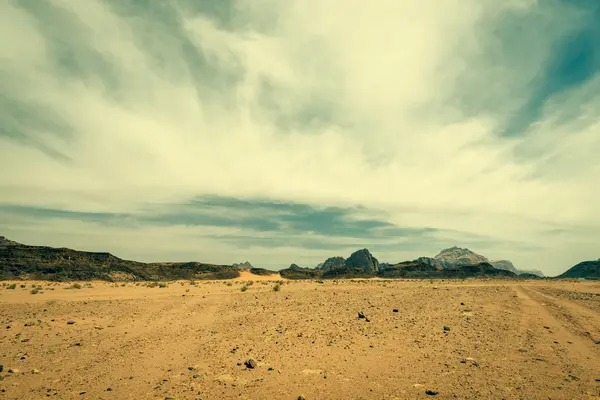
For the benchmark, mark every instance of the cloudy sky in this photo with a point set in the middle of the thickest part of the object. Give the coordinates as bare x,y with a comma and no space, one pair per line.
282,131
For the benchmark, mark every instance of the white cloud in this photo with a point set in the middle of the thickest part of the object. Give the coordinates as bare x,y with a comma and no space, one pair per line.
388,78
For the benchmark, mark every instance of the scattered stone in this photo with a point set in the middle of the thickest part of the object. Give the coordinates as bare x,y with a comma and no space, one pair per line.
597,379
523,350
82,393
446,328
361,315
109,389
29,324
250,364
13,371
301,397
35,371
70,322
546,327
24,340
431,392
196,376
191,368
1,367
395,310
270,369
540,359
597,341
572,378
1,378
462,304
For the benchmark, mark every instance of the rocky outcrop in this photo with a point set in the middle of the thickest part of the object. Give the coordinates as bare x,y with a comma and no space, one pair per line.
244,265
454,256
363,260
532,272
586,269
19,261
333,263
505,265
432,261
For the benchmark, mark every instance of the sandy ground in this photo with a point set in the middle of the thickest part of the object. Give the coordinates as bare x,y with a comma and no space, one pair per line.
506,340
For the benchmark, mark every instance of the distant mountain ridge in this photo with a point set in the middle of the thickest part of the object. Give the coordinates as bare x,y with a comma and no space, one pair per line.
19,261
456,256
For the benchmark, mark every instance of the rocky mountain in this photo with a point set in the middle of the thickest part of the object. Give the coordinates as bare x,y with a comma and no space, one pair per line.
438,264
19,261
244,265
363,260
418,270
333,263
505,265
586,269
454,256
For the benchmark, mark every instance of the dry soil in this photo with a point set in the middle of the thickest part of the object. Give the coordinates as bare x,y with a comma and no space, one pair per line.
504,340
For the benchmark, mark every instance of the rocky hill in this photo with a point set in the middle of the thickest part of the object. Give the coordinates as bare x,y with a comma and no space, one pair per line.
19,261
244,265
456,256
586,269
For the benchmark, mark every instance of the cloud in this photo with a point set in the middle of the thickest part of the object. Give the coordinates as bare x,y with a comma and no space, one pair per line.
476,121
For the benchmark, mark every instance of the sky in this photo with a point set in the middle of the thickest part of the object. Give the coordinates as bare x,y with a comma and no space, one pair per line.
290,131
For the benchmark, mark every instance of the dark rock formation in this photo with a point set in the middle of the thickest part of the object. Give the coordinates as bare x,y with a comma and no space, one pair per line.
586,269
363,260
19,261
333,263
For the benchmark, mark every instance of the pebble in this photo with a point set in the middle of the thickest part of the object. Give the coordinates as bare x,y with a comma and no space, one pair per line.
431,392
301,397
395,310
196,376
446,328
250,363
1,367
361,315
35,371
70,322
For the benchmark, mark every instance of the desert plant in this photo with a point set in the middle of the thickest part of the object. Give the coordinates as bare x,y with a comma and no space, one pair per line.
12,286
35,291
152,284
229,284
277,287
162,285
244,288
75,286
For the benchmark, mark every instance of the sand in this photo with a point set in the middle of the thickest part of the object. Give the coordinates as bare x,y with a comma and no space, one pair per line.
506,340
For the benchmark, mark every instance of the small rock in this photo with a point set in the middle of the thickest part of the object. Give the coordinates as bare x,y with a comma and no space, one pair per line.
446,328
1,367
540,359
462,304
24,340
70,322
196,376
82,393
546,327
270,369
109,389
191,368
431,392
250,363
597,379
301,397
523,350
361,315
35,371
13,371
395,310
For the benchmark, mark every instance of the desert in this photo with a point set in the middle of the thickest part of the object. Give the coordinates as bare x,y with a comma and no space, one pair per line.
469,339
